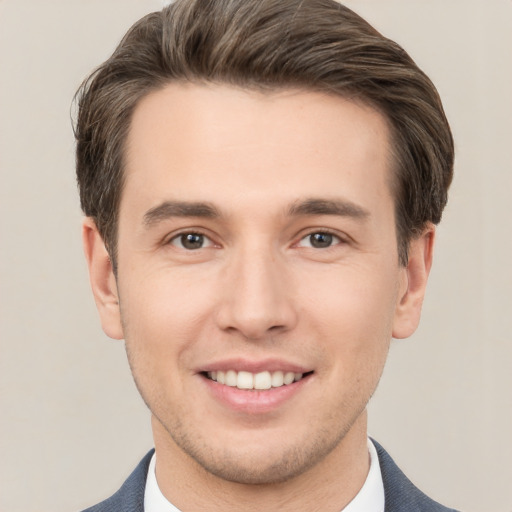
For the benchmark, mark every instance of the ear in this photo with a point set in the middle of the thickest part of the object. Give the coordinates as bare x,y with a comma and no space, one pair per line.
414,283
102,279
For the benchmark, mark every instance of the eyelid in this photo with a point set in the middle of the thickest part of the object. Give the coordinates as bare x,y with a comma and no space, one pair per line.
189,231
343,239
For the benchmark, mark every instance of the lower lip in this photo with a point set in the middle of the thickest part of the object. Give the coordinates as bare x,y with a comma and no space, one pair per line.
254,401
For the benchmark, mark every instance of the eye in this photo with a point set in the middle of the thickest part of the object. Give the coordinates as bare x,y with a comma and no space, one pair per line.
191,241
319,240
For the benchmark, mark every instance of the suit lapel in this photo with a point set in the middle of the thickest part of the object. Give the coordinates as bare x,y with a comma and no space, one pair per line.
130,497
401,495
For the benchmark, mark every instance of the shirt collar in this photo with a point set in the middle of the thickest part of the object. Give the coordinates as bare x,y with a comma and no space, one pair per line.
371,496
154,500
369,499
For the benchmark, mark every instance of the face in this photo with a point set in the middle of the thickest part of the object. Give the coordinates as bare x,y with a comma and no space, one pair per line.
258,278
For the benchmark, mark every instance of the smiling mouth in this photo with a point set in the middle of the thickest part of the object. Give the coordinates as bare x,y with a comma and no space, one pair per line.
255,381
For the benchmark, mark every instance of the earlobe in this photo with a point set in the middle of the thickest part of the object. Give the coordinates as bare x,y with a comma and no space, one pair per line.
412,289
102,279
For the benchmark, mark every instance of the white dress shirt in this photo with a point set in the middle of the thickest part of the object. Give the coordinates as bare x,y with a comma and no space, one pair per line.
369,499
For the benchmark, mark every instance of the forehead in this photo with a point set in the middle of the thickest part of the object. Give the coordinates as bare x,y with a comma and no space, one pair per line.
192,137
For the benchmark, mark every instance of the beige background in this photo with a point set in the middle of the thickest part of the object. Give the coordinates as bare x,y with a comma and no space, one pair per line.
72,425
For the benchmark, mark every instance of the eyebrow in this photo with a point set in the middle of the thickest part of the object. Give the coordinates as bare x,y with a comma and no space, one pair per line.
341,207
205,210
169,209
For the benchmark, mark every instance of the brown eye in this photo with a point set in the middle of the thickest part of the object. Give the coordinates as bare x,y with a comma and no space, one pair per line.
191,241
319,240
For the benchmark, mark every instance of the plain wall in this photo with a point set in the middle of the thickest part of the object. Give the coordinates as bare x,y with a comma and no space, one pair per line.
72,425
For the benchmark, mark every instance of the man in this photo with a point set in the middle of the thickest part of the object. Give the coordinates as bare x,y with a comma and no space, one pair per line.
261,180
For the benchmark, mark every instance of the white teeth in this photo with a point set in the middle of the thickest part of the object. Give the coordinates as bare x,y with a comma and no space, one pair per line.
262,380
289,377
277,379
248,380
231,378
244,380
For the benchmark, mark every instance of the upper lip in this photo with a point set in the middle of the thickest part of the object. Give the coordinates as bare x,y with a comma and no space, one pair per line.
254,366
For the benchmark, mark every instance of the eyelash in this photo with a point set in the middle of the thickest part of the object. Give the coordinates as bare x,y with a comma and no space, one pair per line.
336,239
198,233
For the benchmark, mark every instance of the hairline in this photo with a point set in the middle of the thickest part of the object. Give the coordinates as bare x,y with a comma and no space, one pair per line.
393,159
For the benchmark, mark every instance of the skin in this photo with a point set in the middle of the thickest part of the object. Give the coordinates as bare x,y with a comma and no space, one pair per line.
257,291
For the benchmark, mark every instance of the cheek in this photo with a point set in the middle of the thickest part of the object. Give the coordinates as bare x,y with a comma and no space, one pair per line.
352,314
165,313
160,326
157,317
362,299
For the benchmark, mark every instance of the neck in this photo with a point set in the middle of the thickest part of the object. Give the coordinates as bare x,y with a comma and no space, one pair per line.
328,486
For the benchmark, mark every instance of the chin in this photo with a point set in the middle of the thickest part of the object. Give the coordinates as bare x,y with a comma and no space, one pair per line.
246,469
262,463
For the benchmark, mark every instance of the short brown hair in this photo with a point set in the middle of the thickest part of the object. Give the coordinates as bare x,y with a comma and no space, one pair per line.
317,45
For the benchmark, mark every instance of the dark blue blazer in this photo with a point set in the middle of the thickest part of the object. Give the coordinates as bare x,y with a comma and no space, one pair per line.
401,494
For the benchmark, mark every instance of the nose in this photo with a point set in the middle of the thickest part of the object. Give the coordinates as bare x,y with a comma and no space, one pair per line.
257,296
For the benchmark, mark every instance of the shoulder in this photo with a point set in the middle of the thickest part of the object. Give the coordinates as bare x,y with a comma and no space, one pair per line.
130,497
401,495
